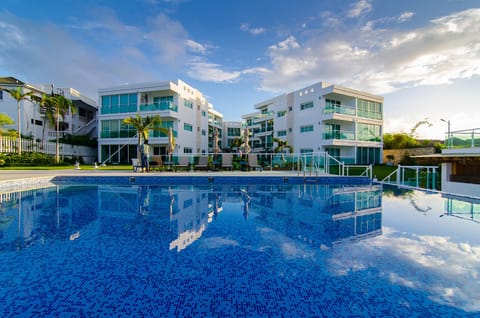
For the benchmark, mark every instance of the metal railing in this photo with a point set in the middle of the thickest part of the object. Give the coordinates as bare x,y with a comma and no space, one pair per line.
414,176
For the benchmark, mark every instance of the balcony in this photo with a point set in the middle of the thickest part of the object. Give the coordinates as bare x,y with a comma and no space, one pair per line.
339,109
159,107
340,135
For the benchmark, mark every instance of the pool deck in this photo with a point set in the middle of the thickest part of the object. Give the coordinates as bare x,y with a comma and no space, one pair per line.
11,175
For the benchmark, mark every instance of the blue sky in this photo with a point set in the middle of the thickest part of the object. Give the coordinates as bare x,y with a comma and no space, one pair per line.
422,56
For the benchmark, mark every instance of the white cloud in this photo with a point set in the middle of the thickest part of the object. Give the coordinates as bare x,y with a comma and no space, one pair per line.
255,31
380,61
445,262
211,72
359,8
196,47
405,16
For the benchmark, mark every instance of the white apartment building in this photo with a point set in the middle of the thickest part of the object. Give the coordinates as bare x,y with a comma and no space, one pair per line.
231,130
215,121
181,107
346,123
32,118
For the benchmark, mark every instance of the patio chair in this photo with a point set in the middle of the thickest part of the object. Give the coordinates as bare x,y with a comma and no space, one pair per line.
253,162
227,161
156,163
136,163
202,163
183,162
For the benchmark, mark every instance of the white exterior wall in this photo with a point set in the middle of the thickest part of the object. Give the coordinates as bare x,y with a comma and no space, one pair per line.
296,118
181,93
31,111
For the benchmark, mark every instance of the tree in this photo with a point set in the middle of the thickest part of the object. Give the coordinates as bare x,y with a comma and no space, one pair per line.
56,107
143,125
282,145
5,120
18,94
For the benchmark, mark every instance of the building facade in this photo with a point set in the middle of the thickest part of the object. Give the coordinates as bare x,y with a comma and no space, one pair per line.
180,106
232,130
33,121
345,123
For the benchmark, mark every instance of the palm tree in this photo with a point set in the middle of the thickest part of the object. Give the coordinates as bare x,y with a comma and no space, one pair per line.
19,95
143,125
282,145
56,106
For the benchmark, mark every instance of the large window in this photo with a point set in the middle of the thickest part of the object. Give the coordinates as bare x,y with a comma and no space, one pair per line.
233,132
368,155
164,124
306,105
281,133
123,103
369,109
281,113
306,128
369,132
116,128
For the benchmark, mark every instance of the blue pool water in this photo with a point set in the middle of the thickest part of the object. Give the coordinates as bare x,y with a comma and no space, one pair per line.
225,250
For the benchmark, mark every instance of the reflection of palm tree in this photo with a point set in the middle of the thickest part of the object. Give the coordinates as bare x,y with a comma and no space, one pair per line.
246,203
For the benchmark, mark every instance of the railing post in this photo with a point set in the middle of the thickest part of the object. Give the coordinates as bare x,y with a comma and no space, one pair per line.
399,174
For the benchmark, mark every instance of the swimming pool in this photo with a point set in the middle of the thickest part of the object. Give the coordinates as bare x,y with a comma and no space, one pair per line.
278,250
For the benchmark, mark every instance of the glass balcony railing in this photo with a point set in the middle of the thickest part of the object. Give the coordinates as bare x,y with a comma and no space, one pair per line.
350,111
342,135
468,138
342,109
159,106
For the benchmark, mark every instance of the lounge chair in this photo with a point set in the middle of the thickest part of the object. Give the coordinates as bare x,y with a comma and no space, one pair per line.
183,162
253,162
202,163
227,161
156,163
136,163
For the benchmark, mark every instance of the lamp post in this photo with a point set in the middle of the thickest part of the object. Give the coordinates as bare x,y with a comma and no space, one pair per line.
449,142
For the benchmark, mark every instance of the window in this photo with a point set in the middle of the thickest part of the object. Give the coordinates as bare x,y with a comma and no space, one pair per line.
369,109
1,94
204,113
204,133
281,133
114,104
306,150
368,132
187,150
306,128
306,105
187,127
233,132
188,104
281,113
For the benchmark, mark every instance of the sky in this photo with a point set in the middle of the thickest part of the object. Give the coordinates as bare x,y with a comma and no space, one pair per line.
422,56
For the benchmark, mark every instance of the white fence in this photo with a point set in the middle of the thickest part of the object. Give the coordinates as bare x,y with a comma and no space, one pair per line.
9,145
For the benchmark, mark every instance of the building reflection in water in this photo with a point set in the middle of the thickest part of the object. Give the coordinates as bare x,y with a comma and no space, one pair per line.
462,207
174,217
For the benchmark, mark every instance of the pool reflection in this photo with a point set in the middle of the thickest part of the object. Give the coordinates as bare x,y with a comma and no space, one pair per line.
177,216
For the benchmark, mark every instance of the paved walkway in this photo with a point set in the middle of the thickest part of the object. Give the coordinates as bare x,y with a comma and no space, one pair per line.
10,175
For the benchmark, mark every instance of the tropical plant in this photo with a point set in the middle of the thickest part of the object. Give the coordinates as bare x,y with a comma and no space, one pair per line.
5,120
144,125
282,145
55,107
18,94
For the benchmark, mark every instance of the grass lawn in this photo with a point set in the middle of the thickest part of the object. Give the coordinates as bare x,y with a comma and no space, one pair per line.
70,167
